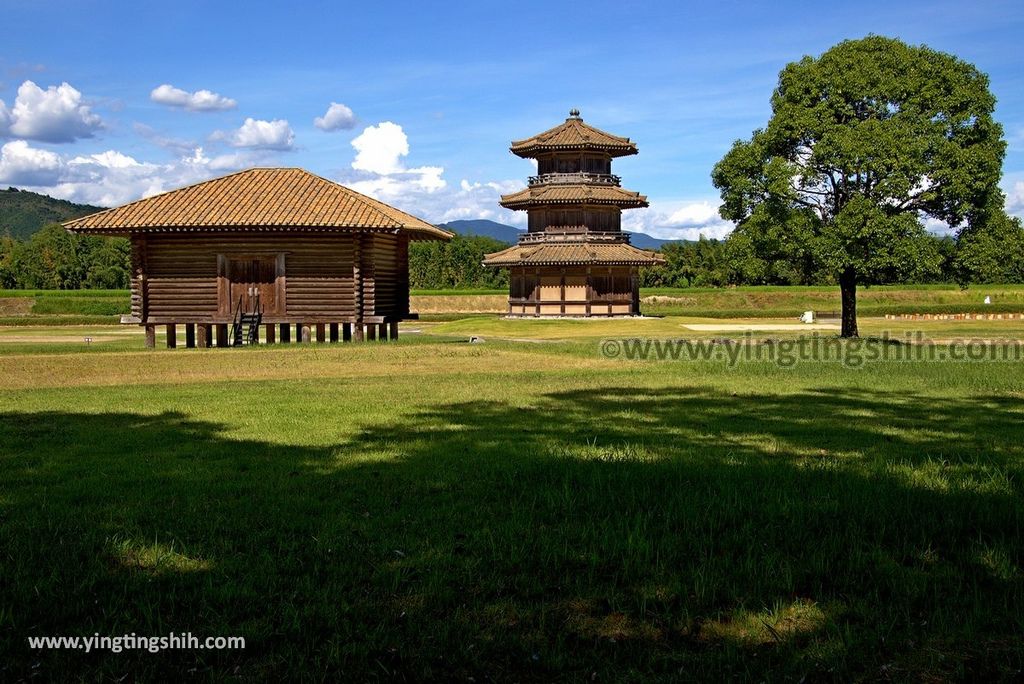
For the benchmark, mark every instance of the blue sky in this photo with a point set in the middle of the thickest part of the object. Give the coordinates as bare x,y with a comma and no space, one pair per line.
430,94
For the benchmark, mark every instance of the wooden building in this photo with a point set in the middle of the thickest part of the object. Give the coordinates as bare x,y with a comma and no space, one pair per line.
574,259
265,251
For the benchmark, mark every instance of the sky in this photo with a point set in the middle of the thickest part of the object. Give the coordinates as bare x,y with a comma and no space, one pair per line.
416,103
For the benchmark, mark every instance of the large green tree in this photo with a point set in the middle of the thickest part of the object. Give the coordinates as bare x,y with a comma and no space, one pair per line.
864,143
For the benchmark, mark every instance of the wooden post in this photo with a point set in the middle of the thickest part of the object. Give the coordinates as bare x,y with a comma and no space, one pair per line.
203,335
394,330
346,332
172,335
321,332
190,336
561,293
590,290
371,332
334,332
271,333
286,333
150,336
382,332
305,334
222,334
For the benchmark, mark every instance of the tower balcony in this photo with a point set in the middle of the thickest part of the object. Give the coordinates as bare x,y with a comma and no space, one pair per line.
575,178
572,234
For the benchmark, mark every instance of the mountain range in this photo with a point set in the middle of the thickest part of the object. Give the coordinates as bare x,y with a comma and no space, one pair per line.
22,213
510,234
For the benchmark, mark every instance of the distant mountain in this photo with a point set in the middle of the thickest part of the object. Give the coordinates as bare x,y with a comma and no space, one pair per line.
491,229
22,213
510,234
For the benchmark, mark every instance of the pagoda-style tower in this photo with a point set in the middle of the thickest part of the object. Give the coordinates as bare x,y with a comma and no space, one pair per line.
574,260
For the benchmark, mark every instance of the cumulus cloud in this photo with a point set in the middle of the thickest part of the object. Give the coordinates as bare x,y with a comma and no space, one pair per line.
198,101
258,134
111,177
1015,199
54,115
337,117
21,164
686,220
380,148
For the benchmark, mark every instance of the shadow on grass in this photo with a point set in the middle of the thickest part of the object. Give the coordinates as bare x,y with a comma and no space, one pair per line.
673,534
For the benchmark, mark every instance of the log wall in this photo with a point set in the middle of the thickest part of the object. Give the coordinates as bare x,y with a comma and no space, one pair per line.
326,277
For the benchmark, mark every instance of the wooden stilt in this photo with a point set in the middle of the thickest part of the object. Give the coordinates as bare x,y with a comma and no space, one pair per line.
150,336
172,336
286,333
271,333
321,332
334,332
393,333
382,332
190,335
222,334
202,336
357,332
346,332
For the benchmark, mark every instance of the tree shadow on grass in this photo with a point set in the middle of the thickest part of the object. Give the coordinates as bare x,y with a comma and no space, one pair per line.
676,533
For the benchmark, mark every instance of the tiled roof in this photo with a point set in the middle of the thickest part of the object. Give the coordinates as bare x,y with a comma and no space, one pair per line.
574,134
574,254
576,193
254,199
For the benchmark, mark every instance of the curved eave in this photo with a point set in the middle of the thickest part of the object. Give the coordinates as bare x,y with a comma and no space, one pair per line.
532,203
414,233
532,150
572,255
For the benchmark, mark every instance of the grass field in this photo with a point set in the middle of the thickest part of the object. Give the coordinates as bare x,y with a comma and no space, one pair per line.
54,307
515,510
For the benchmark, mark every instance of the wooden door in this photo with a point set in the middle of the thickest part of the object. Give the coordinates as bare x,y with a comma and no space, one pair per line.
253,278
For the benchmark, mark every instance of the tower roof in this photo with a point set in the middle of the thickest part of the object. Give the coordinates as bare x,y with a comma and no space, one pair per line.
573,193
254,199
574,134
575,254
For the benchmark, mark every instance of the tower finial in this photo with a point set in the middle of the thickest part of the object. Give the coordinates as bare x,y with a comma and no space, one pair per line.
574,113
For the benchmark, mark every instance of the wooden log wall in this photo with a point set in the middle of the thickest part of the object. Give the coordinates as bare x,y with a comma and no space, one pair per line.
328,277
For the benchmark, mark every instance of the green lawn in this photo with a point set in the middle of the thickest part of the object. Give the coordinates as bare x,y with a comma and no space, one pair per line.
79,307
430,509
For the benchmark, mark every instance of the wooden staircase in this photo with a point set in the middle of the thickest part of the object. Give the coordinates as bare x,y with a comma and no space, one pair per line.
246,326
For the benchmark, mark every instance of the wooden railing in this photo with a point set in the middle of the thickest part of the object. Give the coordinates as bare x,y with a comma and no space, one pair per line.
573,235
577,177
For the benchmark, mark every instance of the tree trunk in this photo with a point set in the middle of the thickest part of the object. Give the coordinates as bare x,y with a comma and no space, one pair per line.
848,291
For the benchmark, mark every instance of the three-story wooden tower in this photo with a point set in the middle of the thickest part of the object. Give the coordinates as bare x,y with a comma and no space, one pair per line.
574,260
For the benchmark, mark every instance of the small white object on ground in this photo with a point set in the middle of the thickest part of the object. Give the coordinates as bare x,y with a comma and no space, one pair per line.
807,317
476,340
988,299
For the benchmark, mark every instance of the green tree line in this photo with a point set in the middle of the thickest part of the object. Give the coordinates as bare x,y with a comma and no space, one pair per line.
53,259
994,255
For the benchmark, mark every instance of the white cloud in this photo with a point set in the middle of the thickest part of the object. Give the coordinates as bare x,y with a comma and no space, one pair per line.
686,220
1015,199
111,178
379,148
5,118
337,117
258,134
54,115
198,101
21,164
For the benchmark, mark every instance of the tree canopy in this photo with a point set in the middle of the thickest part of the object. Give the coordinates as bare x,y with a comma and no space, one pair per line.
864,143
